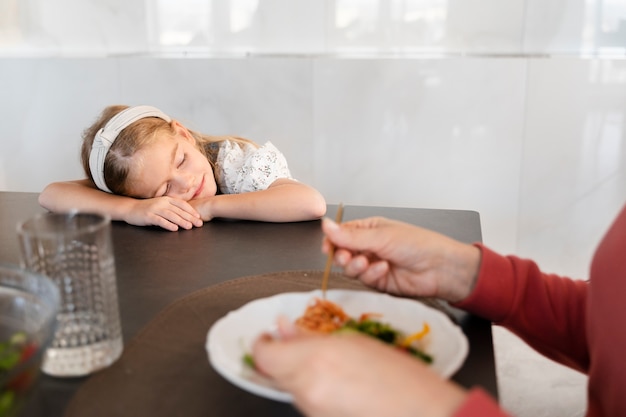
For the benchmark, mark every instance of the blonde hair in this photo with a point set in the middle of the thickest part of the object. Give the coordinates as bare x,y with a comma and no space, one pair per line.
118,161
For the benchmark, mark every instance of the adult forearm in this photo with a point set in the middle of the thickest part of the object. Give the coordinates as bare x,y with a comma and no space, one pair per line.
546,310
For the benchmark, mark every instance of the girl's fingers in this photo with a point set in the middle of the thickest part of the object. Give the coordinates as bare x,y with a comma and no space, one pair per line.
185,207
181,217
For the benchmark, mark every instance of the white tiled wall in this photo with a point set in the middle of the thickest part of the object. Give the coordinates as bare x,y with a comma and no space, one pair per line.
514,109
94,27
573,177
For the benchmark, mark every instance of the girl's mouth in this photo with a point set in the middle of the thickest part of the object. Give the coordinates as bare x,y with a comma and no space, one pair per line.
199,190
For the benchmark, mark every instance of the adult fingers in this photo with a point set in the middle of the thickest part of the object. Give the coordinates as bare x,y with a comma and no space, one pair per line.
358,235
277,358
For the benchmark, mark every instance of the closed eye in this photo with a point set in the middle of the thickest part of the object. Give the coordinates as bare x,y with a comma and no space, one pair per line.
178,166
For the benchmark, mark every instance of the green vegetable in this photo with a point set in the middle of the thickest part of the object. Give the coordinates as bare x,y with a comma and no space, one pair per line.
7,400
385,333
420,355
11,351
249,360
381,331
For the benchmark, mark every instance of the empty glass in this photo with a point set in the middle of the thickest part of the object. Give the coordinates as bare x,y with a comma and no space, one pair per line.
75,251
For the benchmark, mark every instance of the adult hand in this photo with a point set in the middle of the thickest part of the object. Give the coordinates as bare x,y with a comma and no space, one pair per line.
166,212
403,259
354,375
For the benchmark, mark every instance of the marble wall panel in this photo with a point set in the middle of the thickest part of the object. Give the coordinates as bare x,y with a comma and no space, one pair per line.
574,166
46,104
121,27
268,26
398,26
575,27
264,99
423,133
76,27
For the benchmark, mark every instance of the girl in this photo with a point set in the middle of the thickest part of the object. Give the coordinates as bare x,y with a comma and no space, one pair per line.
147,169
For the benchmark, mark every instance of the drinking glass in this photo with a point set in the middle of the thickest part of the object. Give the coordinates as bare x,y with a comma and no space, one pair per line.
75,250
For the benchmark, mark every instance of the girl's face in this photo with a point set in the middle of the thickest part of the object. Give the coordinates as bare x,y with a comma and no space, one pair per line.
172,166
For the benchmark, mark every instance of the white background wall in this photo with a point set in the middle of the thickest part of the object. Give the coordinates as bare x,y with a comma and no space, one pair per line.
514,109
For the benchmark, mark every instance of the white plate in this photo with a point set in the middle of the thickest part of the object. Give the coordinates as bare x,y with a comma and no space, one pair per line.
232,335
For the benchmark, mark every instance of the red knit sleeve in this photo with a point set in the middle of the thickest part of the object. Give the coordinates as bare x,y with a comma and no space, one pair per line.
545,310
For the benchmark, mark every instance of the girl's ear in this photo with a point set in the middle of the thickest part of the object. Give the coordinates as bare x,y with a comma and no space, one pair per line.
182,131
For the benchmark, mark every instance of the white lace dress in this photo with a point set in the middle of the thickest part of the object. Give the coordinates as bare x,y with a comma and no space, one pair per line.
245,168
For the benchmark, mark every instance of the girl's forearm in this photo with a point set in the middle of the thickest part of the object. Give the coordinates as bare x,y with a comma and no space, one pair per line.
79,195
284,201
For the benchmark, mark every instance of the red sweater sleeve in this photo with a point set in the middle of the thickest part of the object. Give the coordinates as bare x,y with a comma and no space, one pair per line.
546,311
573,322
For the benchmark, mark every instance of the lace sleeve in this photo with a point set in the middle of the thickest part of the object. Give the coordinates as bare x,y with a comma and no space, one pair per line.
245,168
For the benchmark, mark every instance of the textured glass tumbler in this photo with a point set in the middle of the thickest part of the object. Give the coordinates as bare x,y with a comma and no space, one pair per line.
75,251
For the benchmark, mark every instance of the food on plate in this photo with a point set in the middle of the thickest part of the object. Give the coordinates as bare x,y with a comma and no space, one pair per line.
323,316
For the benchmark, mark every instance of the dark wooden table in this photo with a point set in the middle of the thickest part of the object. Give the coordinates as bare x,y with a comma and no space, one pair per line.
155,268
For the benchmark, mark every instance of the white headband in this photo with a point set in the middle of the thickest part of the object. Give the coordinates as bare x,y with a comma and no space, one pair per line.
106,136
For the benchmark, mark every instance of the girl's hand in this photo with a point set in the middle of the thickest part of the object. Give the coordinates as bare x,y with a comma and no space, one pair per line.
166,212
353,375
204,207
403,259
